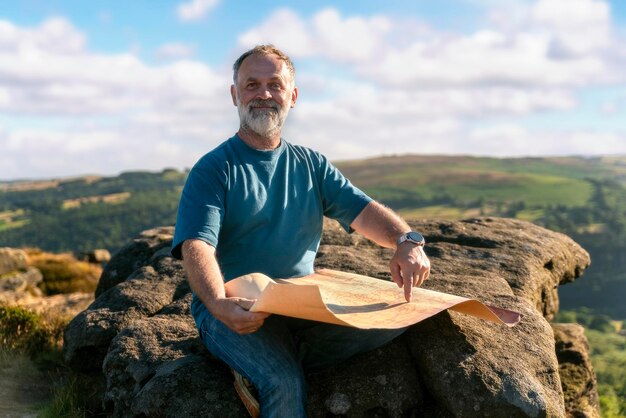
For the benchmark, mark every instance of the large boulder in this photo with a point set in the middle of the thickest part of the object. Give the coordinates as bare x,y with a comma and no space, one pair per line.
139,333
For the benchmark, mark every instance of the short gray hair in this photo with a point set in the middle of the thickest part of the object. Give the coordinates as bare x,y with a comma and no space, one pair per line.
268,49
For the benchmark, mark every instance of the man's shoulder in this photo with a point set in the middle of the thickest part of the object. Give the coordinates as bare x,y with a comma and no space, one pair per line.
217,155
300,151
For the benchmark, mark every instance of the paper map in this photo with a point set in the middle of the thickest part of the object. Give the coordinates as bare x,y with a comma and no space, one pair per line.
354,300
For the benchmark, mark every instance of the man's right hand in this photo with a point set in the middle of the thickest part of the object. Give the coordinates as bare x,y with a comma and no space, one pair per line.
234,313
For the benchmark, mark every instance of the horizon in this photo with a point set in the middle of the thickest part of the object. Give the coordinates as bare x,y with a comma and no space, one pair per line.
90,87
80,176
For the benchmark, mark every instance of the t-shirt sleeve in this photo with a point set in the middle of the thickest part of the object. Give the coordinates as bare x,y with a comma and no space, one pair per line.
341,200
201,207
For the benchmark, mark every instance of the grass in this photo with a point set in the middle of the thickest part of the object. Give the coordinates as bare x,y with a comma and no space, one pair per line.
438,212
534,181
22,384
12,219
31,347
532,189
608,356
112,199
25,330
31,356
530,215
63,273
74,397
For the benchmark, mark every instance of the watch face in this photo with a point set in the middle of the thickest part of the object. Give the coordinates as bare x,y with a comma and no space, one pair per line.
415,236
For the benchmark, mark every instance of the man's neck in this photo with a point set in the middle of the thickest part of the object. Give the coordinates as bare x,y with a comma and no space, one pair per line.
256,141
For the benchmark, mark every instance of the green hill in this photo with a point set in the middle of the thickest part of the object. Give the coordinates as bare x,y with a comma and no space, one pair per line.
87,212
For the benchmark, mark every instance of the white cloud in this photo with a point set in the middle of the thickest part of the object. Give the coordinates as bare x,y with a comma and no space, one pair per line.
37,79
195,9
55,35
283,28
102,113
175,51
556,43
327,34
513,140
577,26
352,39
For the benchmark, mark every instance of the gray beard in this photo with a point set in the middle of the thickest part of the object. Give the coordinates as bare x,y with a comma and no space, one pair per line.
265,123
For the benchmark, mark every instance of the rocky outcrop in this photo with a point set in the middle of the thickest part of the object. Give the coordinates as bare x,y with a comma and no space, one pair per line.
139,334
18,280
577,376
97,256
20,283
12,260
20,286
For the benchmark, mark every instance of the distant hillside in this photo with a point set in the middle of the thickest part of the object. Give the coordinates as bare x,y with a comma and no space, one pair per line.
525,186
582,197
87,212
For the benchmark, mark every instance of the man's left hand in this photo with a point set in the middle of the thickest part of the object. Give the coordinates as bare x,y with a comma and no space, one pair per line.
409,267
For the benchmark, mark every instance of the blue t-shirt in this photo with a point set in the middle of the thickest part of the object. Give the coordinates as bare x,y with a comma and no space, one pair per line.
263,210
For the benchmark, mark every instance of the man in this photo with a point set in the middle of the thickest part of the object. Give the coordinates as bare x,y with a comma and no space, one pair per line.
255,204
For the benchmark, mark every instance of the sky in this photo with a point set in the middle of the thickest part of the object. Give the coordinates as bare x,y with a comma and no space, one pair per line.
106,86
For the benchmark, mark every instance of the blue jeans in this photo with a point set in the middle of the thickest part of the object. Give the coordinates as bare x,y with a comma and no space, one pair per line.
276,357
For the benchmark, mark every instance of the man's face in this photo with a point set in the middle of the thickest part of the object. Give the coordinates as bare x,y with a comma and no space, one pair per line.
264,93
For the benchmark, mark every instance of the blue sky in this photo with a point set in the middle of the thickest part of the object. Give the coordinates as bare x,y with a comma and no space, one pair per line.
105,86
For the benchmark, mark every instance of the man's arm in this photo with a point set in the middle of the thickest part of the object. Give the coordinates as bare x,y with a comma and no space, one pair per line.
205,278
410,265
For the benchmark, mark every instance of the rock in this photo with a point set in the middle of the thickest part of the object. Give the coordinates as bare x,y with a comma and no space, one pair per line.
383,379
577,376
143,294
66,305
133,255
139,333
18,287
12,260
97,256
338,404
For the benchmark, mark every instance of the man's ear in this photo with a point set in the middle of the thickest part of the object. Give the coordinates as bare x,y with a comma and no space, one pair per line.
294,97
233,94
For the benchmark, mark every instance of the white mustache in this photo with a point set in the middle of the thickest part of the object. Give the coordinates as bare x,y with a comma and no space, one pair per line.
260,102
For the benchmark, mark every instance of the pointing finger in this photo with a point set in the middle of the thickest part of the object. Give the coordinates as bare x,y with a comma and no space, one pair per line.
408,288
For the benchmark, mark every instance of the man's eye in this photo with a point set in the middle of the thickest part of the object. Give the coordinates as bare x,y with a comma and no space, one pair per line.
251,85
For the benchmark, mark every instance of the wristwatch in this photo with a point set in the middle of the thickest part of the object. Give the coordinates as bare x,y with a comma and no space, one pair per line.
414,237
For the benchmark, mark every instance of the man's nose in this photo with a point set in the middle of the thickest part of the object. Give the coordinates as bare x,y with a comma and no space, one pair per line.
264,94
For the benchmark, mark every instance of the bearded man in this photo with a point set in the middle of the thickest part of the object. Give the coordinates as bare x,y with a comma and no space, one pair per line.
256,204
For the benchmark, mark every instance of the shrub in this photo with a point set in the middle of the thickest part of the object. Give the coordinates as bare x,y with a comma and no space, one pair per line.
22,329
63,273
16,324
